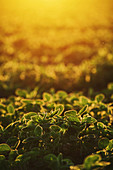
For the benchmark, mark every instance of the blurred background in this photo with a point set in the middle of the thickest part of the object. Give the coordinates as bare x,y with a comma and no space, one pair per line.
60,44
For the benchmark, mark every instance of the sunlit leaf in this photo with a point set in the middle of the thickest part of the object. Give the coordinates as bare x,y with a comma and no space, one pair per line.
4,148
88,119
91,160
101,125
99,97
84,100
21,93
10,108
31,124
84,109
110,145
27,101
19,158
62,94
60,107
47,97
29,115
72,115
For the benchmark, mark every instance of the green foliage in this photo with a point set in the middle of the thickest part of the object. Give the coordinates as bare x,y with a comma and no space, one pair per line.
21,93
10,108
4,149
47,97
91,161
72,115
83,110
99,98
44,133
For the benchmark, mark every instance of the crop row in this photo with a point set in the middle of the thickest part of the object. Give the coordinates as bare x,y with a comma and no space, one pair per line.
55,131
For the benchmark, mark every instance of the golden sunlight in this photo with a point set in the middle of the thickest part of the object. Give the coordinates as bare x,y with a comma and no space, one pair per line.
78,7
84,12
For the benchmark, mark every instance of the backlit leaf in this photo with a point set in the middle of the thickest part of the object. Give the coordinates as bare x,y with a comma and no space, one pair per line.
4,148
29,115
83,110
60,108
99,97
91,160
10,108
38,131
47,97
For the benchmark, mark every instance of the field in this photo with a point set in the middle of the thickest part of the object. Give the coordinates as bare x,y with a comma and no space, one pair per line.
56,85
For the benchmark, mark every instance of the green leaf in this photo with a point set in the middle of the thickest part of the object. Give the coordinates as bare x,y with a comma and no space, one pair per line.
68,107
53,113
72,115
27,101
99,97
62,94
4,149
35,118
60,107
10,108
21,93
39,102
38,131
47,97
110,145
91,161
19,158
101,125
84,100
31,124
88,119
29,115
33,93
84,109
103,143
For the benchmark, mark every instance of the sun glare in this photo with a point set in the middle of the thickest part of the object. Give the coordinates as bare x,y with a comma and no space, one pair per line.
84,11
